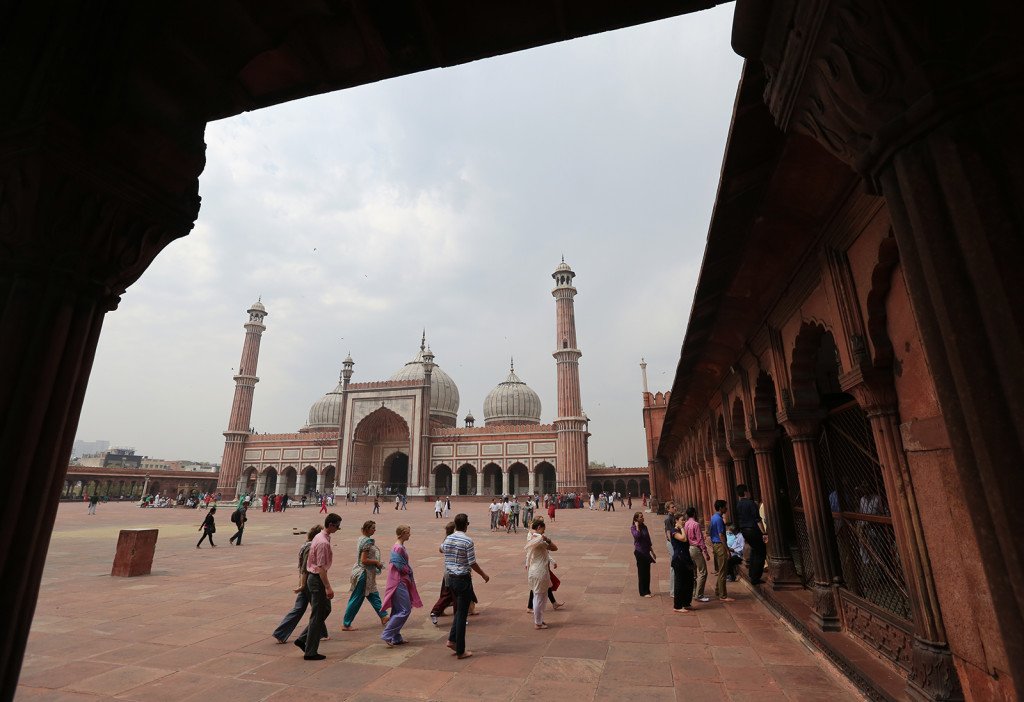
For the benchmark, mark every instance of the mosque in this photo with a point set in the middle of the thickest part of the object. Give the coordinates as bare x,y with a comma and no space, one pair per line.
401,434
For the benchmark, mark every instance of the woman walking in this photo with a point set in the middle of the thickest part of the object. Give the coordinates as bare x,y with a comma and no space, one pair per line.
447,506
208,528
291,620
537,569
643,551
400,592
364,578
682,567
552,506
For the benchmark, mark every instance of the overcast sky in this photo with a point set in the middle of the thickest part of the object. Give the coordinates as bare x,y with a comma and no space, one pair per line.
441,200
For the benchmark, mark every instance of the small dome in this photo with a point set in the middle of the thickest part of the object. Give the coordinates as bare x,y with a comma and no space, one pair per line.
326,412
444,395
258,306
512,402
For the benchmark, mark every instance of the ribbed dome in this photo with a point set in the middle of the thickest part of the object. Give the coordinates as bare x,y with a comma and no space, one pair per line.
444,395
326,412
512,402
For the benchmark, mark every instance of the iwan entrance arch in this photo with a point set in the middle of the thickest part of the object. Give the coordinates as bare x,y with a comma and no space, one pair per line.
102,147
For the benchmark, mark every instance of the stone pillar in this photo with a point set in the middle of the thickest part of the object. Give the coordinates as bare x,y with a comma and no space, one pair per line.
77,226
479,483
932,674
803,432
533,482
781,570
935,129
723,489
319,484
741,471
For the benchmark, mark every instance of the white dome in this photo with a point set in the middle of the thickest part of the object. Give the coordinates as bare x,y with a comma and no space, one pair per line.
444,395
326,412
512,402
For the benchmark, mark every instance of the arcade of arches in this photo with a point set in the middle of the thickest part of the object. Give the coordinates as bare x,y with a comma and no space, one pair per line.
492,480
814,371
878,118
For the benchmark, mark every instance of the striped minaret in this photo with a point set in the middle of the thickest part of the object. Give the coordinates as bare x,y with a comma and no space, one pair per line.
241,407
571,423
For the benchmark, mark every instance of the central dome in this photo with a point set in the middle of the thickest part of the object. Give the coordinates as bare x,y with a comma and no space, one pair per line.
512,402
444,395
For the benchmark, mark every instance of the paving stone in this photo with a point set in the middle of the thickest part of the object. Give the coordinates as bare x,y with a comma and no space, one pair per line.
198,628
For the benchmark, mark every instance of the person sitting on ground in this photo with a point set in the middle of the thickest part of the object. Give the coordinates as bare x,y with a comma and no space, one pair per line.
736,546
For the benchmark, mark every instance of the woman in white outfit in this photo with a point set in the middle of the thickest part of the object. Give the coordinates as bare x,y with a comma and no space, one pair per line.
537,563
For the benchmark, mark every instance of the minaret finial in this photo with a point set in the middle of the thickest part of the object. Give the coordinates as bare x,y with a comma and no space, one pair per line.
563,258
423,340
512,364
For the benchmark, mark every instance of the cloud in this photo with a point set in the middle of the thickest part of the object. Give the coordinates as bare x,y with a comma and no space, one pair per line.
441,200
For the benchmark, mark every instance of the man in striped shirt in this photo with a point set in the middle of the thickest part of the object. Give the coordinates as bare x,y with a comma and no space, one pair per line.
459,561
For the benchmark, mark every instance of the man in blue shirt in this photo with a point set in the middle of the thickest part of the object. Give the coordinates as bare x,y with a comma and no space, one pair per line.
718,545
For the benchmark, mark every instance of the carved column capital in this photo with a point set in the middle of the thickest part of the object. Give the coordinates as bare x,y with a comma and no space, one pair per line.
763,441
873,389
801,426
864,78
82,225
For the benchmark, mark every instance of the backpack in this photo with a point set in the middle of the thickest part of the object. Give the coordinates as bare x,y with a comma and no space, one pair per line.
236,516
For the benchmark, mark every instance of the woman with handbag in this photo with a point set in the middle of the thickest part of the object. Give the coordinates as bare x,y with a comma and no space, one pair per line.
208,528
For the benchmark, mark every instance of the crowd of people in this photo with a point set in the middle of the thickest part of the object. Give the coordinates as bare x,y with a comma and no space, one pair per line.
689,555
688,551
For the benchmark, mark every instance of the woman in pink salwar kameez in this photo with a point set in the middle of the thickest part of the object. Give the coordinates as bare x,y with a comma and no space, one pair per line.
400,592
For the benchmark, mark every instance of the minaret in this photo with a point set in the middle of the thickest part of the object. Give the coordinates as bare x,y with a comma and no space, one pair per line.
570,424
241,407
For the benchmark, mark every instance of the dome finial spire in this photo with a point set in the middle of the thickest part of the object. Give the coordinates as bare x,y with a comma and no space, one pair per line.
512,364
423,339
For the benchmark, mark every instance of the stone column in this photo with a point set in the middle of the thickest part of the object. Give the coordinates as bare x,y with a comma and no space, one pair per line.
319,484
781,570
803,432
479,483
932,674
741,471
533,481
723,487
77,227
923,100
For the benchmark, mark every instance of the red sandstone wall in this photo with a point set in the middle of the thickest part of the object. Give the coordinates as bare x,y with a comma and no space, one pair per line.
968,612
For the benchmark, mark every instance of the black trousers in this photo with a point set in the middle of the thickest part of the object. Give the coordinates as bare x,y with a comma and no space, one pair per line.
238,535
319,610
643,572
684,586
758,552
462,589
207,534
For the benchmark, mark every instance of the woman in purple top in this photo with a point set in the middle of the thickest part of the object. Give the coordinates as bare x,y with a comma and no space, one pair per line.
643,551
400,593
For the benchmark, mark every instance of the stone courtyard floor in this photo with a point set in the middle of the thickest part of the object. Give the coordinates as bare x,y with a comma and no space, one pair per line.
198,627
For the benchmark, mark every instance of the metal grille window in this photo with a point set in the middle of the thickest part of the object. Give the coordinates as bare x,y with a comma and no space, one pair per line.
851,478
796,540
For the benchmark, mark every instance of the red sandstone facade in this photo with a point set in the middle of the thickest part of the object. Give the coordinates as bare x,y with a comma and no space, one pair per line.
103,150
809,372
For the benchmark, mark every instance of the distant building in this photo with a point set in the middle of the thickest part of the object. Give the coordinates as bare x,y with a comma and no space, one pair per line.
86,448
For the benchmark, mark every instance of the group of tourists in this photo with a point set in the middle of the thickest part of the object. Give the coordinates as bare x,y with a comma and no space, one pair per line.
689,554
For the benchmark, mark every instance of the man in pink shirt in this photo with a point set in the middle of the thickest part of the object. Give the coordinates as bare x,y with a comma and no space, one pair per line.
698,552
318,562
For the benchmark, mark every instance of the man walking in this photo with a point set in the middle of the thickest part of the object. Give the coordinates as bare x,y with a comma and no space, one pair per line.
718,545
459,561
752,528
93,501
698,552
318,562
239,519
